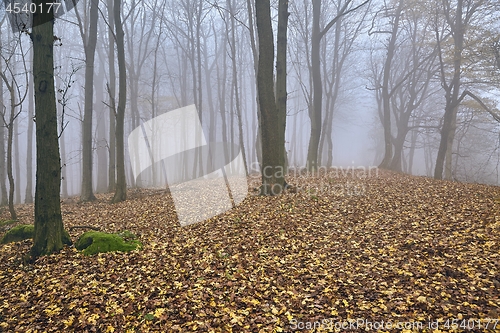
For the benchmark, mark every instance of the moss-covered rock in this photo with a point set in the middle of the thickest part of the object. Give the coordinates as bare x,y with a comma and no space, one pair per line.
18,233
93,242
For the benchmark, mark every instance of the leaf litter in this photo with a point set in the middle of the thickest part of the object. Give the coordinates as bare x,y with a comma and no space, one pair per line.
390,247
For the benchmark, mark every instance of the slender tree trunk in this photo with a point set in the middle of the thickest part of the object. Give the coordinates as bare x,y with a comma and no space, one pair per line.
64,168
386,98
102,158
452,94
236,86
315,114
121,183
112,94
3,187
17,166
50,235
28,198
281,76
87,193
10,137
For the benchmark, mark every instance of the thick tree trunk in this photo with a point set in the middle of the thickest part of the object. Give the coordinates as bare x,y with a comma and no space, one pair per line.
121,183
50,235
272,149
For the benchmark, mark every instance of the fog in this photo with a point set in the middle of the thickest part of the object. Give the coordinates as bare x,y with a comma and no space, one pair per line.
202,53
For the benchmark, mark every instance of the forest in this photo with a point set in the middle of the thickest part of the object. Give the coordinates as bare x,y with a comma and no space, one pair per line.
249,165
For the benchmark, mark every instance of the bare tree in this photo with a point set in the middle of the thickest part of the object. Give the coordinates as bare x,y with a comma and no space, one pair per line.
88,32
17,96
315,113
121,182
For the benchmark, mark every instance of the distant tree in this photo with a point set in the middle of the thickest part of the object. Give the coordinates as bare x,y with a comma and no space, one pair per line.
3,186
50,235
28,198
315,113
385,94
17,96
460,17
111,89
88,32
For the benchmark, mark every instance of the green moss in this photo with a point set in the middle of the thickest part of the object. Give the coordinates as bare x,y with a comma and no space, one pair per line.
18,233
6,223
93,242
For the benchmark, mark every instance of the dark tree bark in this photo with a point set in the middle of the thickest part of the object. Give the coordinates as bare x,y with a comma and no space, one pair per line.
90,41
452,89
10,138
121,182
235,85
272,149
315,113
50,235
386,97
281,75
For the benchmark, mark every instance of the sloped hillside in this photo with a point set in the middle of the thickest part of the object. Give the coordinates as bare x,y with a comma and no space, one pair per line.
378,248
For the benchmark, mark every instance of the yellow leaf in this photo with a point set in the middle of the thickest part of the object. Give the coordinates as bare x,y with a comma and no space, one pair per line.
159,312
421,299
110,329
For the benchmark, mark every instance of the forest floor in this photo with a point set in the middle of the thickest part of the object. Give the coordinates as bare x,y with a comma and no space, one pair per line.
341,254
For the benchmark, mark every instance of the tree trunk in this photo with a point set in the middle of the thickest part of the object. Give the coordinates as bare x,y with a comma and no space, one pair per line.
121,183
102,158
3,186
386,103
28,198
235,85
64,168
112,104
272,149
50,235
281,75
452,93
10,137
315,114
3,176
17,166
87,193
